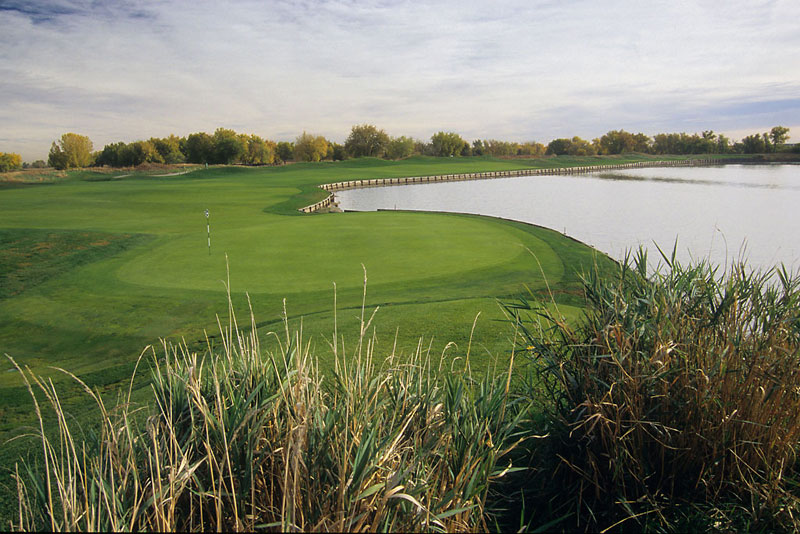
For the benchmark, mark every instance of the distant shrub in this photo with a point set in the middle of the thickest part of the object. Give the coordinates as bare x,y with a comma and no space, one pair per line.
10,162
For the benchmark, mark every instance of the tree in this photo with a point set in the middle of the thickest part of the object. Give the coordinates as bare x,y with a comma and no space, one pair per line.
580,147
445,144
753,144
258,151
10,161
111,155
199,148
228,146
779,135
140,152
723,144
308,147
642,143
169,148
400,147
337,152
496,148
617,142
531,148
366,140
57,158
558,147
71,151
285,151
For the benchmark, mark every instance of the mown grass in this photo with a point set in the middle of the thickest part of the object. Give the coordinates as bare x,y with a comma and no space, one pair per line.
92,310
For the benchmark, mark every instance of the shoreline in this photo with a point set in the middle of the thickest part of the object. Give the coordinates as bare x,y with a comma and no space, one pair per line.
488,175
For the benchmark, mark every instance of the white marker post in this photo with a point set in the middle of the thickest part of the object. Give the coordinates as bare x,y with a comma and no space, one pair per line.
208,230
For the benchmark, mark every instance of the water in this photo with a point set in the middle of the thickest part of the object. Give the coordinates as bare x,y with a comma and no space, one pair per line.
718,213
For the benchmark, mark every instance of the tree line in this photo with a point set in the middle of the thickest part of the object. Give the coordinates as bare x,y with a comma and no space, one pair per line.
225,146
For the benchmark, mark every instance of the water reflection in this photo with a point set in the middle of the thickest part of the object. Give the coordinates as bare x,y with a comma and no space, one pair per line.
619,176
716,213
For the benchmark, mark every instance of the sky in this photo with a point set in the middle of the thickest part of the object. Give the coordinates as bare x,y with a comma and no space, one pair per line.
531,70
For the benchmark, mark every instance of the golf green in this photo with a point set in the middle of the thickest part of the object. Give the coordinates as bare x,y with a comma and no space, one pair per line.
305,254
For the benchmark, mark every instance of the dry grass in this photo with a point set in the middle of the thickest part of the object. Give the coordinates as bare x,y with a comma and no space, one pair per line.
242,440
679,388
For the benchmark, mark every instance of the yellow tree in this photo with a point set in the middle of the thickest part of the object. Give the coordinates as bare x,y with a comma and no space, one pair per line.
9,161
308,147
71,151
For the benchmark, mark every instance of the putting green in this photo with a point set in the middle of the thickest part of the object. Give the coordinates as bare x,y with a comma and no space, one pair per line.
306,254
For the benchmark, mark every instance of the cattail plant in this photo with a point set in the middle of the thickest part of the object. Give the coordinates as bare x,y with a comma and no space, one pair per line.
678,386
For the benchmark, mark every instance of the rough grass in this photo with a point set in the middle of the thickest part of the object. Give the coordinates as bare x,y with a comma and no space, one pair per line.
31,257
673,405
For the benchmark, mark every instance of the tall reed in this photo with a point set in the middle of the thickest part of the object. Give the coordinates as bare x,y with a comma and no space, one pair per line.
239,438
679,386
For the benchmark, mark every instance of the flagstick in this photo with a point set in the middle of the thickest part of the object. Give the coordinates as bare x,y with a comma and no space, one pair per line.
208,230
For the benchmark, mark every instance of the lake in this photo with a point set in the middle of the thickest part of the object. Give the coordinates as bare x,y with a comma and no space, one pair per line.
718,213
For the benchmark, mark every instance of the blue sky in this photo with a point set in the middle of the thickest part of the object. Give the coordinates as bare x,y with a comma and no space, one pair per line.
528,70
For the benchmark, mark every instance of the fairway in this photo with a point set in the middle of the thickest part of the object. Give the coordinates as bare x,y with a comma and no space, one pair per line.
94,270
99,269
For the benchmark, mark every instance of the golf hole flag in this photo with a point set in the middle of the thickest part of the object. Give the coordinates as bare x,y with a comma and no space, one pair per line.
208,231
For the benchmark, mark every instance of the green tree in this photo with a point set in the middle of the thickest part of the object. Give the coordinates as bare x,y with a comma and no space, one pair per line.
753,144
779,135
665,143
10,161
57,158
496,148
617,142
723,144
445,144
143,152
199,148
642,143
400,147
337,152
258,151
285,151
531,148
558,147
169,148
111,155
580,147
228,146
71,151
366,140
308,147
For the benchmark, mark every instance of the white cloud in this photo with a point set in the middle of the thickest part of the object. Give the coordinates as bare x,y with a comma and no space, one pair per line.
516,70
